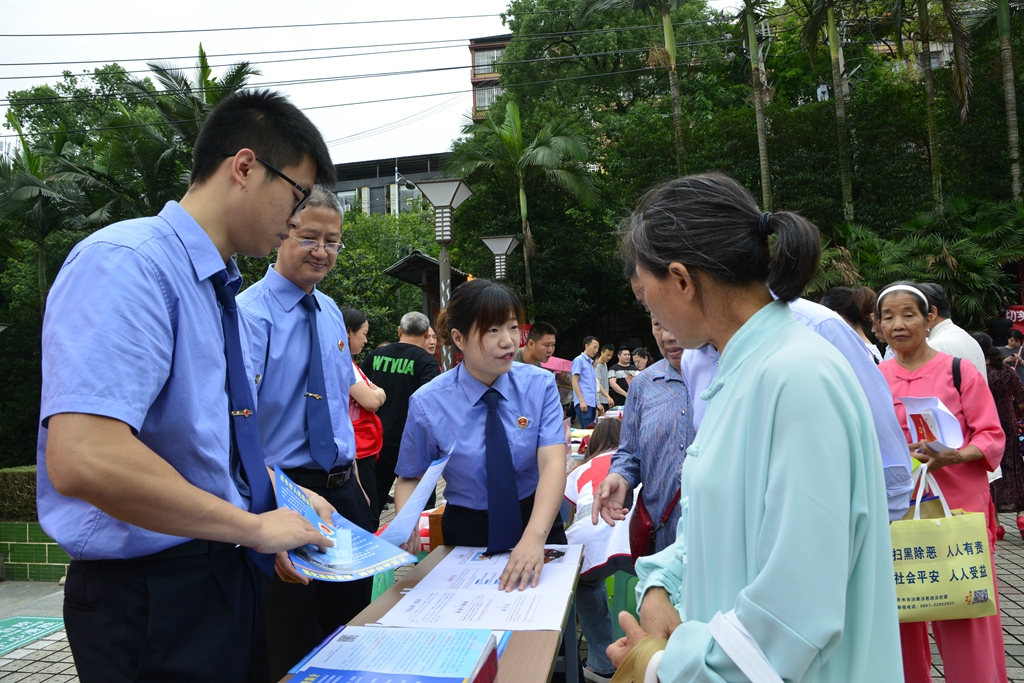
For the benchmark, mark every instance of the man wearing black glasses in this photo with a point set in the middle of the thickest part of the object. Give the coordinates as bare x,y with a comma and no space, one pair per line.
300,353
151,471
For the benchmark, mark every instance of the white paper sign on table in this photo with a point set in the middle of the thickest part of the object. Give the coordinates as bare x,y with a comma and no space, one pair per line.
928,419
462,592
408,518
466,568
528,610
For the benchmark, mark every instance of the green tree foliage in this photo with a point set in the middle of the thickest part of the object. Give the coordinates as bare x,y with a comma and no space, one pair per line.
502,148
965,249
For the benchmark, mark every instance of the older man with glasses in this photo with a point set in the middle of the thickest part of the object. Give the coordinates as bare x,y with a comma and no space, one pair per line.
303,371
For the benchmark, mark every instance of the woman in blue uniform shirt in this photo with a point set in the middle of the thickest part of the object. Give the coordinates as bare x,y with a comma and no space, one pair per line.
505,480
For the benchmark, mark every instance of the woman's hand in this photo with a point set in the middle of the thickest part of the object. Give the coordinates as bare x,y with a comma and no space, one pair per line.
939,459
413,545
527,558
658,615
620,649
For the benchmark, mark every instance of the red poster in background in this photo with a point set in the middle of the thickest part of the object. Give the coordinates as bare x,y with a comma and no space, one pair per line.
524,332
1016,314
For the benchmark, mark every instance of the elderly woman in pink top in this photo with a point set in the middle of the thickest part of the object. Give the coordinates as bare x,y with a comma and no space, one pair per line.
971,649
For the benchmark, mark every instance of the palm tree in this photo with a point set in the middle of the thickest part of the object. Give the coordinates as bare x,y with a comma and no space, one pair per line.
961,76
651,8
40,194
822,14
999,13
557,152
746,20
184,103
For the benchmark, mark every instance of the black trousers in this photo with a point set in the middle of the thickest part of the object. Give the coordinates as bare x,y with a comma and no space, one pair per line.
299,617
384,473
466,526
193,618
368,476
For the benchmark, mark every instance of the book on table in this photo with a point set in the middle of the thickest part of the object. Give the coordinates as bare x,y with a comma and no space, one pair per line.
356,654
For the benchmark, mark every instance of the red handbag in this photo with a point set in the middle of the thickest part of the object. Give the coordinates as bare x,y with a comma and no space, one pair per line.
642,528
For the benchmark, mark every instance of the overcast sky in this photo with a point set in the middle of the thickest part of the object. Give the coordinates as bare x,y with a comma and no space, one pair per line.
423,125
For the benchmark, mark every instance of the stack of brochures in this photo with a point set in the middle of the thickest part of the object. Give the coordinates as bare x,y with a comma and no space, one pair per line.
357,654
356,553
462,592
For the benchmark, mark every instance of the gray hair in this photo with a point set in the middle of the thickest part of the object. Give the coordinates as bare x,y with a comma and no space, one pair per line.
320,198
414,324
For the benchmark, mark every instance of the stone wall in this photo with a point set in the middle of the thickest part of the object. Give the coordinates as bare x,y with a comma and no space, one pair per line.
29,554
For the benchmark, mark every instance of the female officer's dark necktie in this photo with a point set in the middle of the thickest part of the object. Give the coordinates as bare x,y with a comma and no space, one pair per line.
244,431
504,519
318,413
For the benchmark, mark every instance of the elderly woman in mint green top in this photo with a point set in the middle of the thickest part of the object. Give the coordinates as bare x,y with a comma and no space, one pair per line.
782,555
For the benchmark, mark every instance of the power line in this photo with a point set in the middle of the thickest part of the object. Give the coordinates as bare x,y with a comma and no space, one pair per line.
327,79
238,54
345,104
386,128
241,28
266,61
517,37
131,96
378,101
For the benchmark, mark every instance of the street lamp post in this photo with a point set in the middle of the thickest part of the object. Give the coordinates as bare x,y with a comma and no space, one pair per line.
501,247
445,196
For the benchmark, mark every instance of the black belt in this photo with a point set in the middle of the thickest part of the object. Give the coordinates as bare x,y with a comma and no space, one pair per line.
319,478
196,546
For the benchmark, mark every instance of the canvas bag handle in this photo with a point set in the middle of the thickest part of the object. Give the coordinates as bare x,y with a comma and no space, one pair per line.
924,478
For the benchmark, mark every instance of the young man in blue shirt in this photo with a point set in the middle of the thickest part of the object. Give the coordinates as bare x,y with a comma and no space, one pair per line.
150,475
315,449
584,383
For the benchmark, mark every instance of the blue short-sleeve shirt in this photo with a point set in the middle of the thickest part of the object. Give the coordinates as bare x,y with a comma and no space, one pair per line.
451,408
280,355
583,365
133,332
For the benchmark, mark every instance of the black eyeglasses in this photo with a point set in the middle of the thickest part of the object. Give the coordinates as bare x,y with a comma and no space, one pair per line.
282,176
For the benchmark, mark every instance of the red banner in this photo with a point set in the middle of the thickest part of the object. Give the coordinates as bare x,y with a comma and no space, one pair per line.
1016,314
524,332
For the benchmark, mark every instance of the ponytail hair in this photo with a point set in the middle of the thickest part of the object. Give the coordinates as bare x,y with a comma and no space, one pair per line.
712,225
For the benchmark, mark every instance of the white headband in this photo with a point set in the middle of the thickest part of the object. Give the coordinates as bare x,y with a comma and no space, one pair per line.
905,288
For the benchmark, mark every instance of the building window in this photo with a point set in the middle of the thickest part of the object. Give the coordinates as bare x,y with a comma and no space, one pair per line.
408,199
485,96
347,199
484,61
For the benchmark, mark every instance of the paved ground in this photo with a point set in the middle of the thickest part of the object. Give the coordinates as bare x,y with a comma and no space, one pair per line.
49,660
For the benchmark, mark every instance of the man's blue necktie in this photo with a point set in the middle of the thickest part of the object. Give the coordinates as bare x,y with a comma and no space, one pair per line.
244,429
504,519
318,413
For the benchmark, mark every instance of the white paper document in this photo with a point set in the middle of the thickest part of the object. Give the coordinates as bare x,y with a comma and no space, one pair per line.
408,518
473,569
928,419
462,592
528,610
